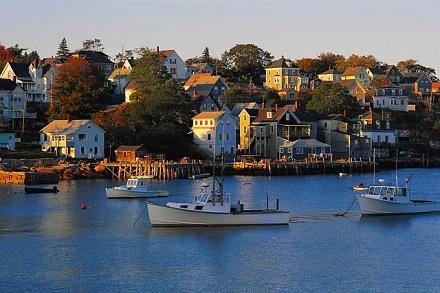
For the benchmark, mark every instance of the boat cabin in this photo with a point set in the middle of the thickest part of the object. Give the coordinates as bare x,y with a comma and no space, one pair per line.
391,193
136,183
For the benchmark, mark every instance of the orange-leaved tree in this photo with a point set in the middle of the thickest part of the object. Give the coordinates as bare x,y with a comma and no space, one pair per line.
78,90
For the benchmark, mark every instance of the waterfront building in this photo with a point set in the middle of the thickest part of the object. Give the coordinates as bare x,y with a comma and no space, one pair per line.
282,75
8,140
392,97
73,138
215,130
130,153
246,117
304,149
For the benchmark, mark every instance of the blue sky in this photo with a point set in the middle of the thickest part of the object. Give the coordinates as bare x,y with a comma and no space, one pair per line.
389,29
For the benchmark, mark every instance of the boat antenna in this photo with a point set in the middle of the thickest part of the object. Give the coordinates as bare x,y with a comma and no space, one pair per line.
397,178
374,165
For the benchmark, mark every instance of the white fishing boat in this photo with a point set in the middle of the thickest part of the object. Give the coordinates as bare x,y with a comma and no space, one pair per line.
135,188
213,208
392,200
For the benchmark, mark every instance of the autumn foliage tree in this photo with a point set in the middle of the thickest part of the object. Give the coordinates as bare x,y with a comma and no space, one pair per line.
78,90
6,55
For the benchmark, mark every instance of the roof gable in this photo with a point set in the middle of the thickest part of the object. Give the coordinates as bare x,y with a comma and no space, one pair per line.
67,126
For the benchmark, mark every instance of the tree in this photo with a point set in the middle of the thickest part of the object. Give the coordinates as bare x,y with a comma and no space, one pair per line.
206,57
78,90
357,60
328,60
271,97
6,55
93,45
413,66
160,111
63,52
245,62
308,65
332,98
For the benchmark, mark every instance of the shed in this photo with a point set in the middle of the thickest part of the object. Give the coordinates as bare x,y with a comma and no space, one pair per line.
304,148
130,153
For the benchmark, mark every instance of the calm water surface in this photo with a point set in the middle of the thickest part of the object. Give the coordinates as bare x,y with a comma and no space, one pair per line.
48,244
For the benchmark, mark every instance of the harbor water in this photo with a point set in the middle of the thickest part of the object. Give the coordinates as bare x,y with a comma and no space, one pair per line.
47,243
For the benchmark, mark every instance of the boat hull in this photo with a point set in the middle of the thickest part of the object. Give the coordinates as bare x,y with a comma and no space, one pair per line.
371,206
168,216
118,193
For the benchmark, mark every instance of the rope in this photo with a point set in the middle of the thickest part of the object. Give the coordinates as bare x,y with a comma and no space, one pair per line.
347,210
134,225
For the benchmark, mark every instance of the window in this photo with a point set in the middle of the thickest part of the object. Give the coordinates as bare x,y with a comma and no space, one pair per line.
261,130
206,122
386,138
244,129
96,137
281,150
402,102
289,150
215,89
220,137
211,122
272,129
299,151
195,122
210,146
232,150
227,136
172,71
82,151
209,136
82,136
287,116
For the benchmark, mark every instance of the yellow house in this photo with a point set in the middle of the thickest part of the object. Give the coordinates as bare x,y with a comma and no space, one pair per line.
330,75
358,73
247,116
282,75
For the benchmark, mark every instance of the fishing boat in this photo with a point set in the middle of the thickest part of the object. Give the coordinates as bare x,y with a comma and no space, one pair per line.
214,208
393,199
54,189
135,188
200,176
383,199
143,177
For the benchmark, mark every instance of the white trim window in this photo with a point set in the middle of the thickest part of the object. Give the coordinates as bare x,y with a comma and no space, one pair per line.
299,151
281,150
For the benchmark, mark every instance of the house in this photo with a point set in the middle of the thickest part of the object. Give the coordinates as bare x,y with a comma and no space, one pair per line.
206,91
288,94
246,117
357,90
199,68
98,59
358,73
130,153
330,75
174,64
392,97
215,132
238,107
73,138
13,104
417,83
374,72
435,87
304,148
393,74
274,126
8,141
119,78
281,75
336,130
35,79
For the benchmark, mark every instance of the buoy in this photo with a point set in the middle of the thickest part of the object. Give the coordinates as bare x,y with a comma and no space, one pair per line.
83,206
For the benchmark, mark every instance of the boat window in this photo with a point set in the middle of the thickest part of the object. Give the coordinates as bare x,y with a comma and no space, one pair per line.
383,191
401,192
376,190
371,190
390,191
199,208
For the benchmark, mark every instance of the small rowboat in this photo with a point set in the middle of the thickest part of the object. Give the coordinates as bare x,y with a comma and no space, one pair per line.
360,187
41,190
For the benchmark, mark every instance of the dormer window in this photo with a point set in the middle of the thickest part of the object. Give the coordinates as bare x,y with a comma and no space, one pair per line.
378,124
269,115
287,116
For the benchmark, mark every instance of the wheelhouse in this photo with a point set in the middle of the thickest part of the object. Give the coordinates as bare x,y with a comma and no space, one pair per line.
388,191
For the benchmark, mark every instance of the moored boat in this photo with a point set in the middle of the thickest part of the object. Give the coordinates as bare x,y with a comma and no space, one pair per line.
135,188
54,189
360,187
392,200
200,176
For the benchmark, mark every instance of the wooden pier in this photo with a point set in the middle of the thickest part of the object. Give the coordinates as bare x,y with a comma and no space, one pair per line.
160,169
28,178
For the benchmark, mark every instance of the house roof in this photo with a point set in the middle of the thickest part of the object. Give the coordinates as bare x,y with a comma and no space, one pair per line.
7,84
236,110
330,71
436,85
64,126
251,112
129,148
305,143
50,60
377,71
21,70
352,71
209,115
280,63
381,82
411,77
93,56
200,66
370,116
119,72
166,53
201,79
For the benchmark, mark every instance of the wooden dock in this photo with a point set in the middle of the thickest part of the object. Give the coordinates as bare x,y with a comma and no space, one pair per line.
28,178
160,169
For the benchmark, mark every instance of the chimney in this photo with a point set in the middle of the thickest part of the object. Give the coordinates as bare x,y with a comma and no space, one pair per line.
276,107
68,118
157,50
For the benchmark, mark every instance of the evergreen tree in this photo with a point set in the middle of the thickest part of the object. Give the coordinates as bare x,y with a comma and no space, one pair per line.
63,51
206,57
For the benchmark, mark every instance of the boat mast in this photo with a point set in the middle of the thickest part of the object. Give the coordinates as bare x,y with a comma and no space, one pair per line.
397,178
374,165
